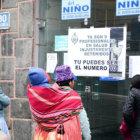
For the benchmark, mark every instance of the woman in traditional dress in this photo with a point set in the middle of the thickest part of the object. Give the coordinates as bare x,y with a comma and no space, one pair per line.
56,109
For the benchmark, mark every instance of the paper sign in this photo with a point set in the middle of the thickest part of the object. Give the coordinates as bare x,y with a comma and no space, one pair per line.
97,51
51,62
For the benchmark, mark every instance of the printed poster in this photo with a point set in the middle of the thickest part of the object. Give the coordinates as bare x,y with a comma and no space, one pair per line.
97,51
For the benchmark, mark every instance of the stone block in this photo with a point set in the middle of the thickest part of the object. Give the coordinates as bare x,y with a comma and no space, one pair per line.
6,68
23,52
26,21
7,88
9,3
21,83
7,44
22,129
20,109
13,21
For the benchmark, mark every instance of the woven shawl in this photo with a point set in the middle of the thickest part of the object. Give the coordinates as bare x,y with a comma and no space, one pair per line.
53,106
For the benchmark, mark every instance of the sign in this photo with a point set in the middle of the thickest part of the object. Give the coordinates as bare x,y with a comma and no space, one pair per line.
61,43
75,9
97,51
4,20
134,64
51,62
127,7
110,79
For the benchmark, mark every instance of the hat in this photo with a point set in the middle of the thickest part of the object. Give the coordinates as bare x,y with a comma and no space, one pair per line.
38,77
63,73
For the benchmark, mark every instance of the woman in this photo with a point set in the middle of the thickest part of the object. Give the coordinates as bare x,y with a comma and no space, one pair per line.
4,102
65,79
55,109
131,110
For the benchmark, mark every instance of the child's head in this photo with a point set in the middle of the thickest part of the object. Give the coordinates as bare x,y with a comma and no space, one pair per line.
38,77
135,81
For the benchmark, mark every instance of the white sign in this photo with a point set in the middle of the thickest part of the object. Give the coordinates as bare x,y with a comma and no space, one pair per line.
127,7
75,9
4,20
51,62
134,65
97,51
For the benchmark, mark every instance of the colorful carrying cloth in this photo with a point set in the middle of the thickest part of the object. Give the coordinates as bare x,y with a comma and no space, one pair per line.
72,131
54,105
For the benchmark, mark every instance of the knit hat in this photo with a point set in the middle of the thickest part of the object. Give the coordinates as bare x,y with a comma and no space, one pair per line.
38,77
63,73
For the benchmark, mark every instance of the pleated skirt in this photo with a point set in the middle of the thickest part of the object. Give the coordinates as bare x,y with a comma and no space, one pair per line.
72,131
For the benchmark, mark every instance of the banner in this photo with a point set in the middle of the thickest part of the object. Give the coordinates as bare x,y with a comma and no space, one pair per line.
97,51
127,7
75,9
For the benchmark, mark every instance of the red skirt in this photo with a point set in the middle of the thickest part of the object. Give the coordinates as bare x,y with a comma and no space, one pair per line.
72,131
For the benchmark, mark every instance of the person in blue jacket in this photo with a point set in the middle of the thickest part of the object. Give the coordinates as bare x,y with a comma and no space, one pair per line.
4,102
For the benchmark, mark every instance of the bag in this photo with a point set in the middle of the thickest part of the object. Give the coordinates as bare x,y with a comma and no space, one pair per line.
125,131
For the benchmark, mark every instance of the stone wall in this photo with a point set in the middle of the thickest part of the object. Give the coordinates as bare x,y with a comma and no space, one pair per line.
16,56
